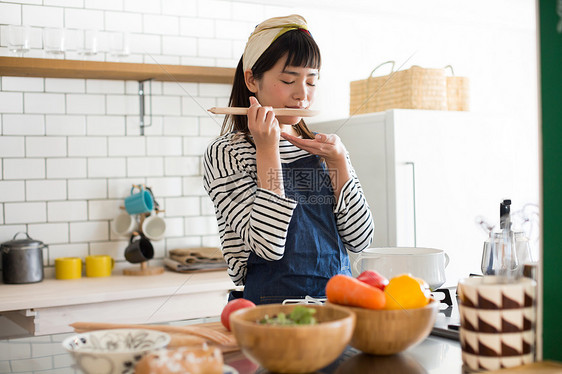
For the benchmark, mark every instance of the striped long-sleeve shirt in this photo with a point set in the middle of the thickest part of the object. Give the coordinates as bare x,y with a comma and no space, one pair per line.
253,219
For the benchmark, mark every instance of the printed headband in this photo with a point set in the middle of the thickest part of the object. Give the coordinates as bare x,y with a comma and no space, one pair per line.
266,33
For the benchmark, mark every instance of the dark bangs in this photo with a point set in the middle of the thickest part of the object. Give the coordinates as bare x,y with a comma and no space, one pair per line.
301,50
299,47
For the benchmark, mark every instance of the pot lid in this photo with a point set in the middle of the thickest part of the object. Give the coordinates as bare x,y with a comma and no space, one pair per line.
23,243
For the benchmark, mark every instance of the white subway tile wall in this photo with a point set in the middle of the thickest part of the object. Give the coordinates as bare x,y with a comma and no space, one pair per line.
10,14
12,146
23,84
44,103
42,16
45,190
62,85
82,19
64,125
22,124
71,149
87,189
11,102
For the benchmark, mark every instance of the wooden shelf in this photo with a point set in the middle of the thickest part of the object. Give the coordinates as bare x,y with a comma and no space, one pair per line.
51,68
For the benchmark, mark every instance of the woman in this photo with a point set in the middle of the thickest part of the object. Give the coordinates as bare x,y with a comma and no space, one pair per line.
288,202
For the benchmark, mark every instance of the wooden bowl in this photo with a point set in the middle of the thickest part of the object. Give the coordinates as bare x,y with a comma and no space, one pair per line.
293,349
386,332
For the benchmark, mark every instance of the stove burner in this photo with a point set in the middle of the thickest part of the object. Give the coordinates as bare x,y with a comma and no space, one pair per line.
447,322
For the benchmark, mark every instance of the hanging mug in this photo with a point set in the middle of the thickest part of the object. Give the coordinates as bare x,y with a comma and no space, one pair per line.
140,202
139,249
124,224
154,227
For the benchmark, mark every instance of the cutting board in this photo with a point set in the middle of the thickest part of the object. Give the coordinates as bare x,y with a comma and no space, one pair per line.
179,336
183,339
219,327
542,367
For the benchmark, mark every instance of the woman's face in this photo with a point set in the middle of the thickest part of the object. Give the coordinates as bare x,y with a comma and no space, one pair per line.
286,87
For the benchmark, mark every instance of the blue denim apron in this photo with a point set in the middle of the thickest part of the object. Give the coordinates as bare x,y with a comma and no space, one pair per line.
314,251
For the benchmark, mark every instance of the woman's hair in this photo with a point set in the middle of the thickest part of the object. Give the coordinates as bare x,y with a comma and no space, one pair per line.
300,49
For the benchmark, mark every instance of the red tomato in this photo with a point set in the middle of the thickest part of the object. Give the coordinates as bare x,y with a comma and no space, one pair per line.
373,278
232,306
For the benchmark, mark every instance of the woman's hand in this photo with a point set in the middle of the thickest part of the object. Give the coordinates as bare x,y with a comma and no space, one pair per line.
328,146
263,125
265,130
331,148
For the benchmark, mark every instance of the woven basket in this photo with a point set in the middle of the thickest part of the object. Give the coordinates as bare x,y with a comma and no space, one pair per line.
457,92
414,88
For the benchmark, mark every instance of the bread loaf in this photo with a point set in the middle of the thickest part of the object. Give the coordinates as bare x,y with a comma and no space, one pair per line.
183,360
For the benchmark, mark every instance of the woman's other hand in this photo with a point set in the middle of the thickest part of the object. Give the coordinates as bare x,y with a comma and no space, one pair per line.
331,148
328,146
263,125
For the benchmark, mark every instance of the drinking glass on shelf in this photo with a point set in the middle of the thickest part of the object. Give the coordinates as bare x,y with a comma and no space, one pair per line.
54,41
119,45
88,43
18,39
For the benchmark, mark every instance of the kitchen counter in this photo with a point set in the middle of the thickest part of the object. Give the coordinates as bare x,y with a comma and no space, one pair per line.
160,298
433,355
49,306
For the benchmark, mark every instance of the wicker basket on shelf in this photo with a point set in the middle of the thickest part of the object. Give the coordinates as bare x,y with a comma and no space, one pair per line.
457,92
413,88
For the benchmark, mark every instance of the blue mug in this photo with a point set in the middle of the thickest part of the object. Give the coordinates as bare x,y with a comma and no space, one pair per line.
141,202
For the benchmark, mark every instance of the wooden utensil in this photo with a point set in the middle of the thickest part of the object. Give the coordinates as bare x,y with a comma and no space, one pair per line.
204,332
277,111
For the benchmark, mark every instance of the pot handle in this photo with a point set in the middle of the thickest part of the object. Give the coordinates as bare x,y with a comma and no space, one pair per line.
21,232
357,261
446,259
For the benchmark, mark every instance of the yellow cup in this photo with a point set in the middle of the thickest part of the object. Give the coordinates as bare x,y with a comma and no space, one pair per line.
99,266
68,268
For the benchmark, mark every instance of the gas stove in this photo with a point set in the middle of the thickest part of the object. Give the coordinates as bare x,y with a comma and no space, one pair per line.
447,322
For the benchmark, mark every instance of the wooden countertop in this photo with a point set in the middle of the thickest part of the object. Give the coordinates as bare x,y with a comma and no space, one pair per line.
55,293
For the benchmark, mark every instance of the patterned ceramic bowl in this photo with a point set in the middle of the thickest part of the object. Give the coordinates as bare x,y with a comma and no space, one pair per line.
113,351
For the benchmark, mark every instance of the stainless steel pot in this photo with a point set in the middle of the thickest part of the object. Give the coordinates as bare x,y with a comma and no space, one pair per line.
22,260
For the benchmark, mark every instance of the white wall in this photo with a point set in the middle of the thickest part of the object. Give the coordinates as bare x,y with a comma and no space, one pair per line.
70,149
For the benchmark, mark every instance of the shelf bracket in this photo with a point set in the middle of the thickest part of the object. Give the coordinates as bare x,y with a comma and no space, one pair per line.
142,106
